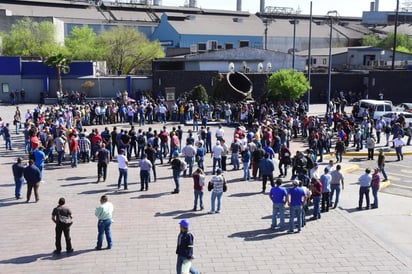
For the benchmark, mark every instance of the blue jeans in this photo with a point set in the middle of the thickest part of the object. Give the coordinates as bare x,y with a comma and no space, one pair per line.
398,150
335,187
316,207
295,211
278,209
60,155
190,161
246,171
19,184
217,161
200,164
122,174
375,196
180,260
74,159
144,179
8,142
364,191
176,178
219,200
103,227
50,154
382,170
198,196
235,160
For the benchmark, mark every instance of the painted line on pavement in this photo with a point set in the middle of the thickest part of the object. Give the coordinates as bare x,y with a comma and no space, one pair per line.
350,169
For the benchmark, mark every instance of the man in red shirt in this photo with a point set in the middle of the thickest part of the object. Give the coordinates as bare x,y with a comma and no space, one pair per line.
74,149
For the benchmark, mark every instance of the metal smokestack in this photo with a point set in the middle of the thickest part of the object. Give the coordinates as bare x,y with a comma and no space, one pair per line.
376,5
239,5
372,7
192,3
262,6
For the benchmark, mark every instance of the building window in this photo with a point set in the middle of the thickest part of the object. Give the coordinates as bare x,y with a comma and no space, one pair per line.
243,44
201,47
228,46
324,61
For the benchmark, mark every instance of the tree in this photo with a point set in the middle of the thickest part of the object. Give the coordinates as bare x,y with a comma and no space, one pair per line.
30,38
127,51
61,63
371,40
82,44
198,93
287,84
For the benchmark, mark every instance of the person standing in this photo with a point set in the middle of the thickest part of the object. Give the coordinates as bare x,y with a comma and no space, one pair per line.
335,185
151,156
370,143
216,154
62,217
246,163
375,184
296,199
339,150
74,149
365,183
399,143
224,153
381,164
123,163
199,178
39,158
267,166
235,149
18,170
278,197
200,154
7,136
184,249
189,153
104,214
33,177
60,143
176,167
316,187
217,181
325,179
103,159
145,166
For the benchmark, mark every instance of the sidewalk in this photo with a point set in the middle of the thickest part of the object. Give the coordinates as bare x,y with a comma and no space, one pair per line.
238,240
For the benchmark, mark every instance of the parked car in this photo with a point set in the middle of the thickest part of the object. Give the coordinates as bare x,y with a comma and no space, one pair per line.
405,107
378,107
392,116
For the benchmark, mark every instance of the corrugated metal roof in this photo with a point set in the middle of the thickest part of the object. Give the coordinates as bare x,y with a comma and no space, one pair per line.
322,51
246,54
218,25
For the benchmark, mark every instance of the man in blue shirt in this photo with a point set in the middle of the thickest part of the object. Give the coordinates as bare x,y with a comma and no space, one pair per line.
267,167
296,199
278,196
325,179
39,158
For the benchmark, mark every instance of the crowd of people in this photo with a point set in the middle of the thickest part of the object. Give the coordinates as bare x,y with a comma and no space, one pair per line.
262,137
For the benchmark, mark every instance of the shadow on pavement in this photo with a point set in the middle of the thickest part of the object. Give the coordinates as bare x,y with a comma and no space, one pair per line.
245,194
25,259
96,191
351,210
181,214
75,178
54,257
151,196
259,234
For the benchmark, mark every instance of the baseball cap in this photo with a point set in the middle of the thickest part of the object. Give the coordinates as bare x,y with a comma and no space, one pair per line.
184,223
175,153
219,171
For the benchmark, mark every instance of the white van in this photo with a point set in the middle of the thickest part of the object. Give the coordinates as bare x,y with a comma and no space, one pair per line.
379,107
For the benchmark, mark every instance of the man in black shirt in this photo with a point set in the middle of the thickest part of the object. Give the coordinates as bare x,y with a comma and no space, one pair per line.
18,169
62,217
103,159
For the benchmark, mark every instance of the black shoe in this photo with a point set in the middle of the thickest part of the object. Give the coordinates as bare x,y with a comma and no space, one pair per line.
175,192
70,250
57,252
194,209
98,248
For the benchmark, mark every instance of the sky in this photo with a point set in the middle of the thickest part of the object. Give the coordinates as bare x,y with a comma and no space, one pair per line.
320,7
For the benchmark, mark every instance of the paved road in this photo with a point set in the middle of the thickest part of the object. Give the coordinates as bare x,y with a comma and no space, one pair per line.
236,241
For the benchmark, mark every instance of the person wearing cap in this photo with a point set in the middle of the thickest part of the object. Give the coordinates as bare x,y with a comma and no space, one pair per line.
296,199
104,214
18,169
267,167
176,168
123,163
217,181
365,183
278,197
184,250
216,154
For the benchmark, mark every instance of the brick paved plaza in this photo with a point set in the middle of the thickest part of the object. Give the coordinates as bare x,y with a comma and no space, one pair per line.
145,228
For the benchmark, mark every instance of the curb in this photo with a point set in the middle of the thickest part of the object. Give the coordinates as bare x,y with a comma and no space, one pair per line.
375,154
350,169
384,185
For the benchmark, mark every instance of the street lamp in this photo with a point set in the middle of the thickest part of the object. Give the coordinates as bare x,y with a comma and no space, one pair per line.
395,32
330,57
294,21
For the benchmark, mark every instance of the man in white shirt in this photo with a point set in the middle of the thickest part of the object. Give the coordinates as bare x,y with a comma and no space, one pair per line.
216,154
123,164
219,133
399,143
189,153
104,213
